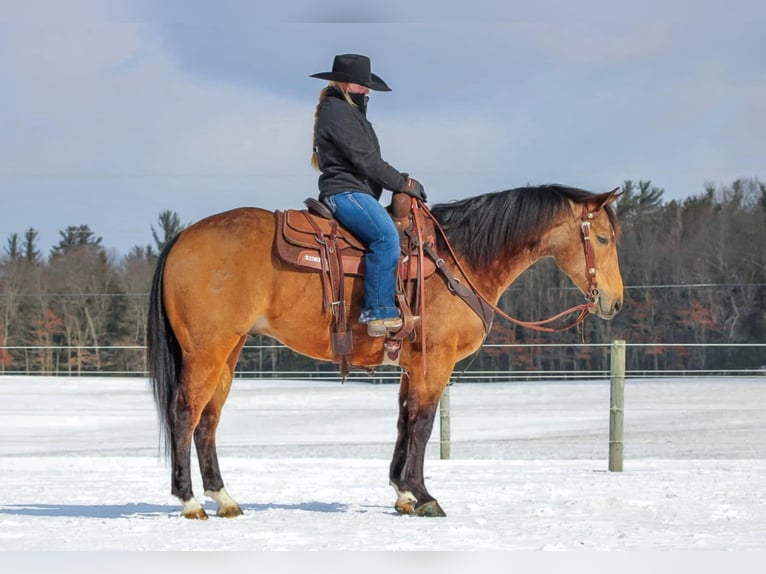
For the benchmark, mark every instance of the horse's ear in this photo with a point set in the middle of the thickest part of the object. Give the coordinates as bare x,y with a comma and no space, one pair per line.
608,197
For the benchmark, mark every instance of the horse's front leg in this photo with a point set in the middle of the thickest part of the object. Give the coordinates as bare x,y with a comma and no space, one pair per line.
402,440
202,393
418,403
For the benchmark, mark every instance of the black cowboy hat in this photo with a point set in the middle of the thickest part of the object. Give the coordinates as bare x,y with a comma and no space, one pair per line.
353,69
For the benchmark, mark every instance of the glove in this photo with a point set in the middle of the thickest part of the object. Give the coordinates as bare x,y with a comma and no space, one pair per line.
414,188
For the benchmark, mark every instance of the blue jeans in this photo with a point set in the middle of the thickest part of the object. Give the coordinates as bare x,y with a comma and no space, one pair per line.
366,218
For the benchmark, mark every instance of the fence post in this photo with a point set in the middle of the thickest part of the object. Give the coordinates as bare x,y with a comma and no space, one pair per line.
444,421
616,405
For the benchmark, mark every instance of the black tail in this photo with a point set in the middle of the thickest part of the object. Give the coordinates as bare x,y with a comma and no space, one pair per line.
163,352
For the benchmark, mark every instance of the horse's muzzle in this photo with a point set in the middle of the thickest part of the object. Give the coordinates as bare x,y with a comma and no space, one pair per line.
607,308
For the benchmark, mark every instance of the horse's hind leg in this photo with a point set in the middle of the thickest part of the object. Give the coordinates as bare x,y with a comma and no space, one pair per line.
204,439
205,379
188,408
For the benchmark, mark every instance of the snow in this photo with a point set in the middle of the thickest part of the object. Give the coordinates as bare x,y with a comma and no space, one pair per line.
81,468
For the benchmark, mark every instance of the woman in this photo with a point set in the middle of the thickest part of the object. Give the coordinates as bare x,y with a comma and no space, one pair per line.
347,152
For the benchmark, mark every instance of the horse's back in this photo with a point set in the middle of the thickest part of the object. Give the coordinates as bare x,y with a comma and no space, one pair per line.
241,226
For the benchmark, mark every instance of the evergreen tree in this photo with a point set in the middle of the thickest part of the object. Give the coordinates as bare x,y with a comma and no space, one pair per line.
31,253
76,236
13,247
170,226
639,199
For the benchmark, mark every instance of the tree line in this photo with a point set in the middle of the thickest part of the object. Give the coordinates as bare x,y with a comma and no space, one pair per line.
78,309
694,271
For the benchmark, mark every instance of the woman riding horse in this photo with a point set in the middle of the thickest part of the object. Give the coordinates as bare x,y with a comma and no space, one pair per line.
347,152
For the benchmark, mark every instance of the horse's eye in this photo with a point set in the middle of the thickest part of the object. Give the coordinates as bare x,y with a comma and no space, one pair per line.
602,240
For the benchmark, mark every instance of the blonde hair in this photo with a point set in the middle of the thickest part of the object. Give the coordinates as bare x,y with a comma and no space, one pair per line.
322,96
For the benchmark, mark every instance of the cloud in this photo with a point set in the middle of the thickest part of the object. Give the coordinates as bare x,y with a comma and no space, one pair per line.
105,128
50,12
106,100
109,123
101,127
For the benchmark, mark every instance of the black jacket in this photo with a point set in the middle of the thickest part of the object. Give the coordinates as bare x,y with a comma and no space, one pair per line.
349,152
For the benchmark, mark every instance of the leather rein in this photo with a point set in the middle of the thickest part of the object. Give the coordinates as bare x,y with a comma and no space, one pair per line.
583,309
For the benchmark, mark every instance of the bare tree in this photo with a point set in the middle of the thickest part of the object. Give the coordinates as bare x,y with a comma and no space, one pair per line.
18,266
85,280
135,276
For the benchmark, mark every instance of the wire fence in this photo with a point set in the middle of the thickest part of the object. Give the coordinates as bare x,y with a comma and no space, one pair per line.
130,360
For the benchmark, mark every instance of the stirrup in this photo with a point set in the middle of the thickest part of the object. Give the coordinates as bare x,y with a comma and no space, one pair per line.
381,327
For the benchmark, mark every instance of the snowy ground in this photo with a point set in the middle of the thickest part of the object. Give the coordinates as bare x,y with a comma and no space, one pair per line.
308,461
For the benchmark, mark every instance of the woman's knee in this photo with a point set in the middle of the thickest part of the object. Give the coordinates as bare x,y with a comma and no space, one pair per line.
389,235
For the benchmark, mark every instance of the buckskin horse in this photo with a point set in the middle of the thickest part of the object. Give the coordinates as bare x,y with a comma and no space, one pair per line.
220,281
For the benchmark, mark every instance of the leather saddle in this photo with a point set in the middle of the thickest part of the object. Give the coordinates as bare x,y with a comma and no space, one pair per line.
302,234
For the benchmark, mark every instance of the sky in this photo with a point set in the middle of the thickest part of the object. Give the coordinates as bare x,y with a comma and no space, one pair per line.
112,111
308,463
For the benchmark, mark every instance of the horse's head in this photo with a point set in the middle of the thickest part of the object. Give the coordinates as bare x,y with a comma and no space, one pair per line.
585,248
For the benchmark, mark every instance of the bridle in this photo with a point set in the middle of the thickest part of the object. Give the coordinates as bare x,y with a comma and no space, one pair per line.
583,309
593,293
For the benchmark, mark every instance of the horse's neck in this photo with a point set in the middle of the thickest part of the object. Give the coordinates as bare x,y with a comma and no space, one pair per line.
506,269
494,280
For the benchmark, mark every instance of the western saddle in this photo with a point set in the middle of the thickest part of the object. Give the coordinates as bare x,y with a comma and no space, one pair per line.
312,240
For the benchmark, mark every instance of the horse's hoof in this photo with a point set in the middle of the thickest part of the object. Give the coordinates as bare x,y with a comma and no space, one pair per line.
197,514
229,511
227,506
405,507
193,510
426,509
429,509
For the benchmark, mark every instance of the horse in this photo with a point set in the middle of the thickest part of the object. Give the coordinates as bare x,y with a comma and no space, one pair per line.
220,281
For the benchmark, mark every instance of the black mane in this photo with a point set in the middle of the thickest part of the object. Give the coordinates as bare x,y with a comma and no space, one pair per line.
482,228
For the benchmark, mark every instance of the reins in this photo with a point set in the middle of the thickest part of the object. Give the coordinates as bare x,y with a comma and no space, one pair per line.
583,308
